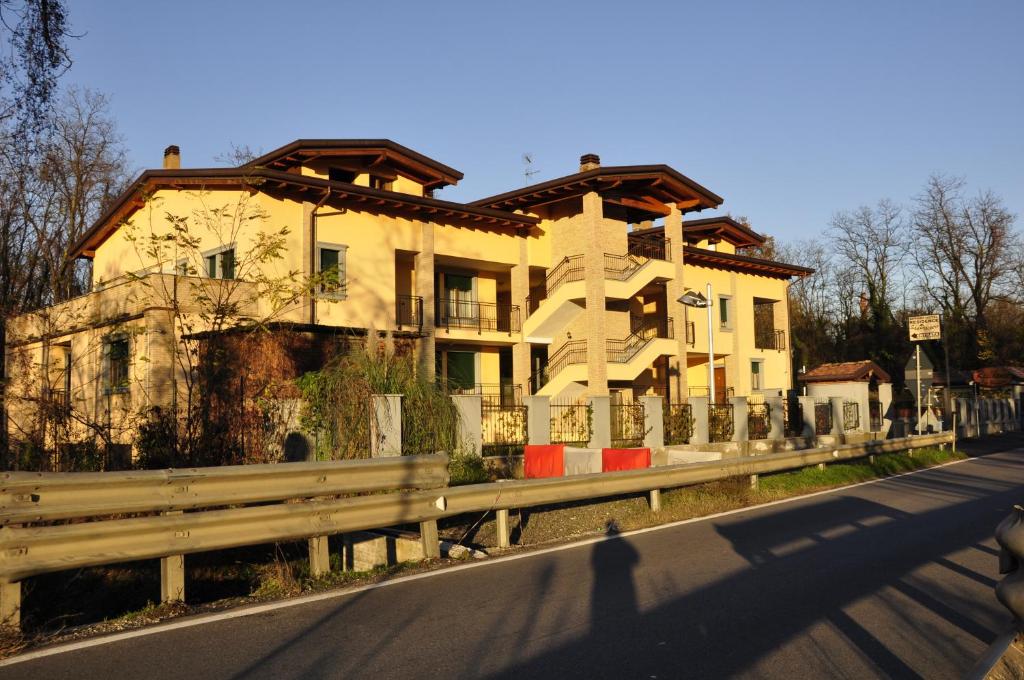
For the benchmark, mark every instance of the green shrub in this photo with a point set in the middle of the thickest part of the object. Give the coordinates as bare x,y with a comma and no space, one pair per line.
467,468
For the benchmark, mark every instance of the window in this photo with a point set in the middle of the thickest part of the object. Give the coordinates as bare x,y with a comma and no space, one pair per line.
756,380
220,264
118,362
341,175
331,267
458,297
724,312
461,368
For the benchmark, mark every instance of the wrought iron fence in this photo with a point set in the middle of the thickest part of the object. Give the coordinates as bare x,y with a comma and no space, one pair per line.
650,247
720,422
793,417
503,429
770,338
758,417
704,391
822,417
495,394
571,423
691,333
479,316
851,415
409,311
628,424
677,421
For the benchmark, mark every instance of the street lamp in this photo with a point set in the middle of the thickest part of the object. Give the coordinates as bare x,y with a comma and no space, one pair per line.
692,299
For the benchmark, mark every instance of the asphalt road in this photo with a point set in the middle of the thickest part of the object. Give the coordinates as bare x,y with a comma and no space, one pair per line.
892,578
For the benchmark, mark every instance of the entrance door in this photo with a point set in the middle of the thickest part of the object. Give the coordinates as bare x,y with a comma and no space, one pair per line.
721,396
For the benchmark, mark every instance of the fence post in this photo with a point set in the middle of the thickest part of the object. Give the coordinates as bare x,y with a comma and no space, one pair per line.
470,409
319,556
501,525
776,417
428,536
601,434
807,408
699,411
538,420
386,425
739,418
10,605
654,425
172,575
838,421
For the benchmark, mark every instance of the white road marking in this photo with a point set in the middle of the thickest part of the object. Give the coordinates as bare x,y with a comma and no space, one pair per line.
318,597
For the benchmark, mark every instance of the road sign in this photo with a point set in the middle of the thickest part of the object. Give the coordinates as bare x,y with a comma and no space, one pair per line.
925,328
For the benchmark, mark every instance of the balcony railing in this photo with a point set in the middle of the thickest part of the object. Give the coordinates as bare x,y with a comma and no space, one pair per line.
649,247
621,267
770,339
623,351
479,316
572,352
409,312
704,391
494,394
691,333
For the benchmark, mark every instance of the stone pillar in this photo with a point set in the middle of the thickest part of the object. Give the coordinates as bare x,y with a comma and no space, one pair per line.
520,291
601,430
425,347
807,406
654,425
739,418
674,289
386,425
776,417
699,410
836,403
596,321
470,409
538,419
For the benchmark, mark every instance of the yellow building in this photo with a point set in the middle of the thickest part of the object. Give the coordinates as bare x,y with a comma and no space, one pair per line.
563,288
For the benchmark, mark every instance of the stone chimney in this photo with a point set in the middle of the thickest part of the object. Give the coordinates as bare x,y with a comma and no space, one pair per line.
589,161
172,157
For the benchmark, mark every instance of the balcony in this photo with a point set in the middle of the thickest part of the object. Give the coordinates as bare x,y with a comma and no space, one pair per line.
770,339
493,394
478,316
409,312
691,334
649,247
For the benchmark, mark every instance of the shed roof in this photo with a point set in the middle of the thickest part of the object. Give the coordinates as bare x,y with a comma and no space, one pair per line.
846,371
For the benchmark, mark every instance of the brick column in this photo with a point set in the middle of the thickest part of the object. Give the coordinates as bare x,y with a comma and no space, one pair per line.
425,289
521,289
676,310
593,263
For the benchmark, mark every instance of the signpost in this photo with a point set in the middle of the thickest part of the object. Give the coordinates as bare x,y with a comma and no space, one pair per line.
921,328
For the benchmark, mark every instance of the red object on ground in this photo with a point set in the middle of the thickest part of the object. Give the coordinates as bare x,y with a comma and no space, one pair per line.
613,460
543,460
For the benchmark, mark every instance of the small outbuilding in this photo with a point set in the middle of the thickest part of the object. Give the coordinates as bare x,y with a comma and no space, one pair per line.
861,382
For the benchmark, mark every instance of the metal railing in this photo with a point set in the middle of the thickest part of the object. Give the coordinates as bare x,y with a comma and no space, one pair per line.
409,311
503,428
851,415
571,423
770,339
758,418
823,417
479,316
720,423
623,351
677,422
793,417
496,394
50,497
622,267
649,247
691,333
729,392
628,424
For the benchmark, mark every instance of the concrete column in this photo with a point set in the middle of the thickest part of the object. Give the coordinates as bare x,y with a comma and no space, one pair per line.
837,416
776,417
739,418
425,348
470,409
593,263
538,420
676,310
428,537
885,403
502,528
654,422
386,425
10,605
807,406
601,431
520,290
699,410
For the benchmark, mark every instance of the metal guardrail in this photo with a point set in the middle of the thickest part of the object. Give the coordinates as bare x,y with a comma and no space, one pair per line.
28,551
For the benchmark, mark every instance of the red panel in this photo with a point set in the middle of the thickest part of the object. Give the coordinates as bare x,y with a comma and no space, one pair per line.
625,459
546,460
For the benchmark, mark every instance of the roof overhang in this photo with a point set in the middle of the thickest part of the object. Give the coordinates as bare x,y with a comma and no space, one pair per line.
743,263
727,229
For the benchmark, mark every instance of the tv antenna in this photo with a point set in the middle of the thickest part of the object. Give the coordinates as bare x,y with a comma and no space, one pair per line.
528,171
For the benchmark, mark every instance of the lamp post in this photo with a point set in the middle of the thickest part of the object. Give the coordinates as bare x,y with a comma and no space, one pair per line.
691,299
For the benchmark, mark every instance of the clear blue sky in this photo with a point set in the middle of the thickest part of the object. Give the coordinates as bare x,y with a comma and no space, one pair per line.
789,110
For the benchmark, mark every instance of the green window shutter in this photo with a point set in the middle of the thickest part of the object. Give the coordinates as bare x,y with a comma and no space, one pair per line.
227,264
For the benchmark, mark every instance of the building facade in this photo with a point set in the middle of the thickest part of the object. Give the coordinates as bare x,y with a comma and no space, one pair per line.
566,288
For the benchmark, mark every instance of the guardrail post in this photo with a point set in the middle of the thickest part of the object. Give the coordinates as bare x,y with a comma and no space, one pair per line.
10,605
807,409
601,432
699,412
538,419
501,526
428,536
470,409
776,417
838,421
739,419
654,497
319,556
172,575
386,425
654,425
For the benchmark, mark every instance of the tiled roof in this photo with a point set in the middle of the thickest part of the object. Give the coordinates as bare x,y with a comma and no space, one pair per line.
846,371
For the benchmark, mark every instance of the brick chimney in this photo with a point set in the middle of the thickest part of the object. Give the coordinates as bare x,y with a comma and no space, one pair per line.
589,161
172,157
